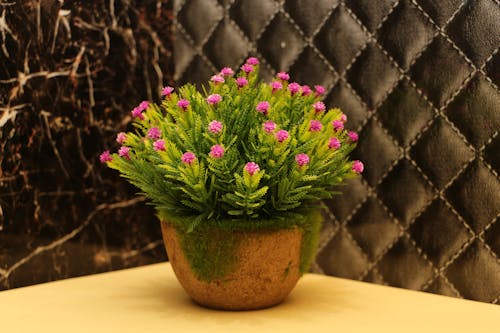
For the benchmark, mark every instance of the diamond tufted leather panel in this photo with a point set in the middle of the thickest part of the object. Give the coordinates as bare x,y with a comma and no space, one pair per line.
419,80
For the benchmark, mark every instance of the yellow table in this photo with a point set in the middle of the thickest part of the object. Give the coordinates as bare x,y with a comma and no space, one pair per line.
149,299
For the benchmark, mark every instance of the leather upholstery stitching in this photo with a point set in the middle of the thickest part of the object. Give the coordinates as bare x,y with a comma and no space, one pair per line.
331,233
198,49
486,76
253,46
403,150
439,113
402,75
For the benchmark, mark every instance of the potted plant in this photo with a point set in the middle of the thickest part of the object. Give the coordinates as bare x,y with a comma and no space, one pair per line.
235,174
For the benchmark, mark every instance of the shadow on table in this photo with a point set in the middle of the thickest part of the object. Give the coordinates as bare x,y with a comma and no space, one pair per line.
309,300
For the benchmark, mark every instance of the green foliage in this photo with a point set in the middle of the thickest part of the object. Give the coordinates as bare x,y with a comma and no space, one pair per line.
212,189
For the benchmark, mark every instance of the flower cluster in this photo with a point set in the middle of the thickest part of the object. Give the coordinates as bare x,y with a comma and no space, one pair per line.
138,110
245,149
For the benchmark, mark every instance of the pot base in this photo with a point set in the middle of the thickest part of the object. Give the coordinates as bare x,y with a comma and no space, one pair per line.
266,270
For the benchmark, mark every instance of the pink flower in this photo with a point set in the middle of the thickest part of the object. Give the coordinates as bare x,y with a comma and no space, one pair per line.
121,137
353,136
247,68
306,90
269,126
214,99
144,105
319,107
215,126
217,79
167,91
159,145
283,76
357,166
302,159
276,85
253,61
294,87
241,82
262,107
124,152
337,125
217,151
320,90
137,113
183,104
252,168
105,157
315,126
188,157
226,71
282,135
343,118
154,133
334,143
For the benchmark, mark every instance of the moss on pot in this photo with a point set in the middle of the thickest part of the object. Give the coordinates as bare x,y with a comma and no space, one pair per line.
211,248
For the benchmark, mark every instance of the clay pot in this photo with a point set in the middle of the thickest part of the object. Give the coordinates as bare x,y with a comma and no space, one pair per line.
266,270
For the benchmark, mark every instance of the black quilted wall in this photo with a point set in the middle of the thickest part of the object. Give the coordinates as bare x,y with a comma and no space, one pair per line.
418,79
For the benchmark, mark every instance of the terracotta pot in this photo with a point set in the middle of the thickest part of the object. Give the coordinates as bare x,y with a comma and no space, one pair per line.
266,270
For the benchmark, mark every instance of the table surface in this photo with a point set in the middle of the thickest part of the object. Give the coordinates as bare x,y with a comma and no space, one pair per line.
149,299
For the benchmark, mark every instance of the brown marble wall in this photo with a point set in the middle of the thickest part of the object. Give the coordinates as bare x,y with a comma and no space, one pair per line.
70,71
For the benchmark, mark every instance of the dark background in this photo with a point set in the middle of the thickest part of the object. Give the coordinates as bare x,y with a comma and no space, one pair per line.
69,75
418,79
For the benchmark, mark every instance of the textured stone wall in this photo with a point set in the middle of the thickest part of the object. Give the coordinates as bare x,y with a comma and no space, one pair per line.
70,71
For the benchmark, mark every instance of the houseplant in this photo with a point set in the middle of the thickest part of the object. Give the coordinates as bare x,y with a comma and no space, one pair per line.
235,173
